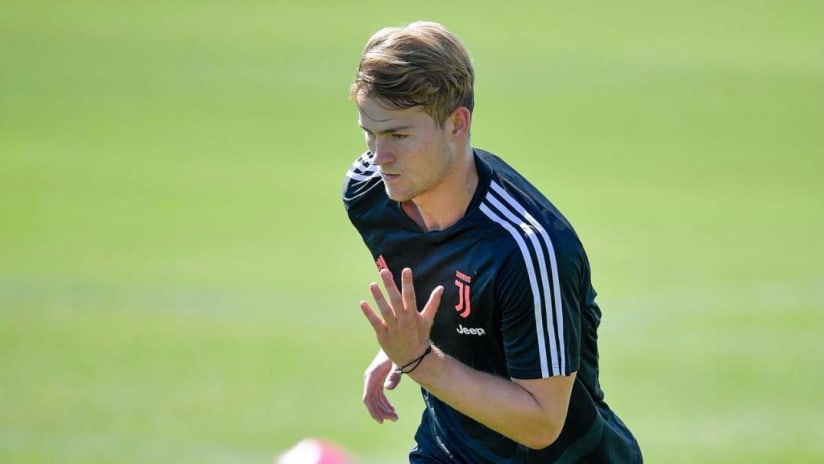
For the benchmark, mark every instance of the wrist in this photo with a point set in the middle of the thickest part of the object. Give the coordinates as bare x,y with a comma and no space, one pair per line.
412,365
430,368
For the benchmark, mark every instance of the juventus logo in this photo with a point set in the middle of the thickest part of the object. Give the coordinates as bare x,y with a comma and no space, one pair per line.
462,281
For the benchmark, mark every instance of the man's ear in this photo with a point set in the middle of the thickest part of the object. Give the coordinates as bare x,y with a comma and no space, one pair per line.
461,120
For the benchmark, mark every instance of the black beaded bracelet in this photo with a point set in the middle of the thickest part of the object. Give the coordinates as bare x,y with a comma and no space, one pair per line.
414,363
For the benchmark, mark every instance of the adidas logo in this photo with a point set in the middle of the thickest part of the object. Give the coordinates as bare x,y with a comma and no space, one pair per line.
467,331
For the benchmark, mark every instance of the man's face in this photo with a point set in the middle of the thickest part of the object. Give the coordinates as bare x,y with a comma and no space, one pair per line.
412,153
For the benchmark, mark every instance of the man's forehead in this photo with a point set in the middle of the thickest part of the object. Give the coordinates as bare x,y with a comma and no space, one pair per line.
373,113
368,115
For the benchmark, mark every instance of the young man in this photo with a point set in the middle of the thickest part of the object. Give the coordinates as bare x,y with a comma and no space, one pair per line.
487,302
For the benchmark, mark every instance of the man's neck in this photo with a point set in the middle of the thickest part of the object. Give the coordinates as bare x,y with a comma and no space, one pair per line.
444,206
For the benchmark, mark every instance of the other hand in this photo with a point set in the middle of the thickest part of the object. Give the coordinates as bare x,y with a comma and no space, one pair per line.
380,375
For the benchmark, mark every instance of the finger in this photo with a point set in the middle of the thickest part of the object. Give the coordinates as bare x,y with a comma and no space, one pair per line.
387,410
383,406
408,290
374,410
393,380
391,415
378,405
385,308
374,397
392,292
372,393
386,407
432,304
377,323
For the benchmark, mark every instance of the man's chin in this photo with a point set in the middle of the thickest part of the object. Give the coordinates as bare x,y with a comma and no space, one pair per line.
397,196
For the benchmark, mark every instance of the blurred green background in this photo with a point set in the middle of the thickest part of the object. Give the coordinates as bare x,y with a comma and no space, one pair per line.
179,282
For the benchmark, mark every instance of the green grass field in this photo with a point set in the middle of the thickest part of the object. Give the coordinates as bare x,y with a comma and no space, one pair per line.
179,282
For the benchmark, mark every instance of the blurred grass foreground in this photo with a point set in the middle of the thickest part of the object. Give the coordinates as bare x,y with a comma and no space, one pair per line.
179,283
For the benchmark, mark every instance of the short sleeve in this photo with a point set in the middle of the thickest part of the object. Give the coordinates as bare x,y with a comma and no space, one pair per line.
538,289
361,178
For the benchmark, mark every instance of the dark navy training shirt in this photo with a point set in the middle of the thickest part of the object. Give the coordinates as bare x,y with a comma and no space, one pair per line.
518,303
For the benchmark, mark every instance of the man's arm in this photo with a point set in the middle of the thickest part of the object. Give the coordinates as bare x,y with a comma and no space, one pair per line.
531,412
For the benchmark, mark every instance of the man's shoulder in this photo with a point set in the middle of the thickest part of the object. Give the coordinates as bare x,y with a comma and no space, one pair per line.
361,178
513,199
510,187
506,178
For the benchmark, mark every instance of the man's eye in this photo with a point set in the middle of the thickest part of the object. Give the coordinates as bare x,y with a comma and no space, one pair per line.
399,136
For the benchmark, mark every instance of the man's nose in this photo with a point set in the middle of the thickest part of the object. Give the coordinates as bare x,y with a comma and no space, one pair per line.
383,153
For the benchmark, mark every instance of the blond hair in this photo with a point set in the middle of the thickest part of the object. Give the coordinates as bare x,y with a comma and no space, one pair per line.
421,64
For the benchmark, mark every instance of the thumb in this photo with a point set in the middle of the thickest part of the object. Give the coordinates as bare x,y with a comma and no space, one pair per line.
432,304
392,380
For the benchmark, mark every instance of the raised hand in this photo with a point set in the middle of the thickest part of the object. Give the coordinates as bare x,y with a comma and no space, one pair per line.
402,331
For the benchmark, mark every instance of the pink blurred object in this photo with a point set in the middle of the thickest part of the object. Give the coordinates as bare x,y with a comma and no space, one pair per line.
315,451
